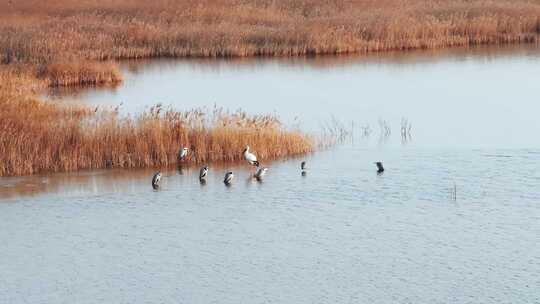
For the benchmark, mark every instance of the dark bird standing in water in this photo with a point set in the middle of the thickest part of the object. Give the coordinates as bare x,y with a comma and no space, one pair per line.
228,178
203,173
261,172
380,168
303,168
156,179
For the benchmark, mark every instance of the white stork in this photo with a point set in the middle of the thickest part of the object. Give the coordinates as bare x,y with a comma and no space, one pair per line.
250,157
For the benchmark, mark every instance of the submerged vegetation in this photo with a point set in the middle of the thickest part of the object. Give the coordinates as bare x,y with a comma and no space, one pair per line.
73,42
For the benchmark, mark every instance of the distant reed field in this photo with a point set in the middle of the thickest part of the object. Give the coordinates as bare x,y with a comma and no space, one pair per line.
44,31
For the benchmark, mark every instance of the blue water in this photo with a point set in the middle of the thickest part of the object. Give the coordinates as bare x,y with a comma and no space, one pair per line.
455,218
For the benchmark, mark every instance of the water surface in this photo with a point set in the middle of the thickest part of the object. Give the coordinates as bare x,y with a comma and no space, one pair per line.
470,98
341,233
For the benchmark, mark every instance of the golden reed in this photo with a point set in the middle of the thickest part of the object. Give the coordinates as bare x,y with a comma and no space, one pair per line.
37,136
41,32
70,42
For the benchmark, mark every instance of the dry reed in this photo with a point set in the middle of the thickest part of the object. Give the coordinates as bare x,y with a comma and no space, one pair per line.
68,42
37,136
79,73
42,32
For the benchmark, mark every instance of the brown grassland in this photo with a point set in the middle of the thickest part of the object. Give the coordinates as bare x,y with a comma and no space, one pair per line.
77,42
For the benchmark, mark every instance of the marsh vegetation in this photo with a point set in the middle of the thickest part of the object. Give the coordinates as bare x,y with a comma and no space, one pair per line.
70,42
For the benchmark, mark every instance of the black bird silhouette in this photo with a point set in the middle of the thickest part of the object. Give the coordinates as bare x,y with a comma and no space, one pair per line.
380,168
156,179
203,173
228,178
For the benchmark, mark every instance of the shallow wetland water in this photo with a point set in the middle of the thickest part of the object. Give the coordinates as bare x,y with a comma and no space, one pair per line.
455,218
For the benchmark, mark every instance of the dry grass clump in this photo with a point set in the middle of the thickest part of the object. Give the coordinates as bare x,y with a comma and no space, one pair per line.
79,73
38,136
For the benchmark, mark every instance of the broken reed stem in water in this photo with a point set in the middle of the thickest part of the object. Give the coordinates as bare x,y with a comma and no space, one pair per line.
334,132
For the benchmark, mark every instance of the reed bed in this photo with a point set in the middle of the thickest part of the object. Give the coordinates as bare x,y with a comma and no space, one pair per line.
79,73
71,42
65,30
37,136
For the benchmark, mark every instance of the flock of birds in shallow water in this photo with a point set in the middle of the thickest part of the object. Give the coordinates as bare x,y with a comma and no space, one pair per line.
229,176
